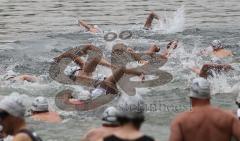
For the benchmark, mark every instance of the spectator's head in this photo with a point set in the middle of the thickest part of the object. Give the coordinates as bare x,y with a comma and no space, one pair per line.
131,111
109,117
200,90
12,111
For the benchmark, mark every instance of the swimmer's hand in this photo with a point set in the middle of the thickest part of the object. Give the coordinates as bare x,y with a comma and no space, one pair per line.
142,77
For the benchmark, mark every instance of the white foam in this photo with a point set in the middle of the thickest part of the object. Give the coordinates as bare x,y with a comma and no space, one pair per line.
168,24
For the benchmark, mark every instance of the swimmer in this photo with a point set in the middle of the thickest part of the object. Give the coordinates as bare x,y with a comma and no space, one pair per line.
89,28
109,126
216,66
204,121
153,50
238,104
108,85
148,23
12,111
83,70
216,49
130,117
14,77
40,111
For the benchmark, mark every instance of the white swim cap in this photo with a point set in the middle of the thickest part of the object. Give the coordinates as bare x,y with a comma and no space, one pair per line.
40,104
200,89
98,92
10,74
216,60
70,69
110,116
216,44
14,105
131,106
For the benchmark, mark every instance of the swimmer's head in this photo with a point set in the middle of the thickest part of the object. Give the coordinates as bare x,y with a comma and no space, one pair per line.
40,104
216,44
131,110
109,117
69,70
12,111
13,105
200,89
173,44
216,60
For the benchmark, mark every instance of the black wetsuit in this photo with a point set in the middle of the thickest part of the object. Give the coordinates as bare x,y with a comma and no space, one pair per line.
114,138
31,134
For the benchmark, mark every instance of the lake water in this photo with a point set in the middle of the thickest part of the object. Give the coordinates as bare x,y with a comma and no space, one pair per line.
32,32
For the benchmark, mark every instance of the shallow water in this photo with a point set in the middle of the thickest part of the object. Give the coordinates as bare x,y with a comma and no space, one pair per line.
32,32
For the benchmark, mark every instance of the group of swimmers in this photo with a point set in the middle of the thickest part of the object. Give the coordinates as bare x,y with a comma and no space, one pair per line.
123,122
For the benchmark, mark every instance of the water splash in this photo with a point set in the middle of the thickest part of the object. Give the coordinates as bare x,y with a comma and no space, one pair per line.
172,24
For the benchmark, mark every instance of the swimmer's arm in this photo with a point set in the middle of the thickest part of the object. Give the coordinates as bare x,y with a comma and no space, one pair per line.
136,56
195,70
67,54
135,72
90,136
205,69
79,61
90,47
149,20
104,62
165,54
84,24
28,78
176,133
224,67
72,56
22,137
205,51
227,67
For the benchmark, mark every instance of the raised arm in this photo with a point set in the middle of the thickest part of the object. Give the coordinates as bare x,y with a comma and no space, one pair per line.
84,24
215,67
86,48
151,16
75,52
